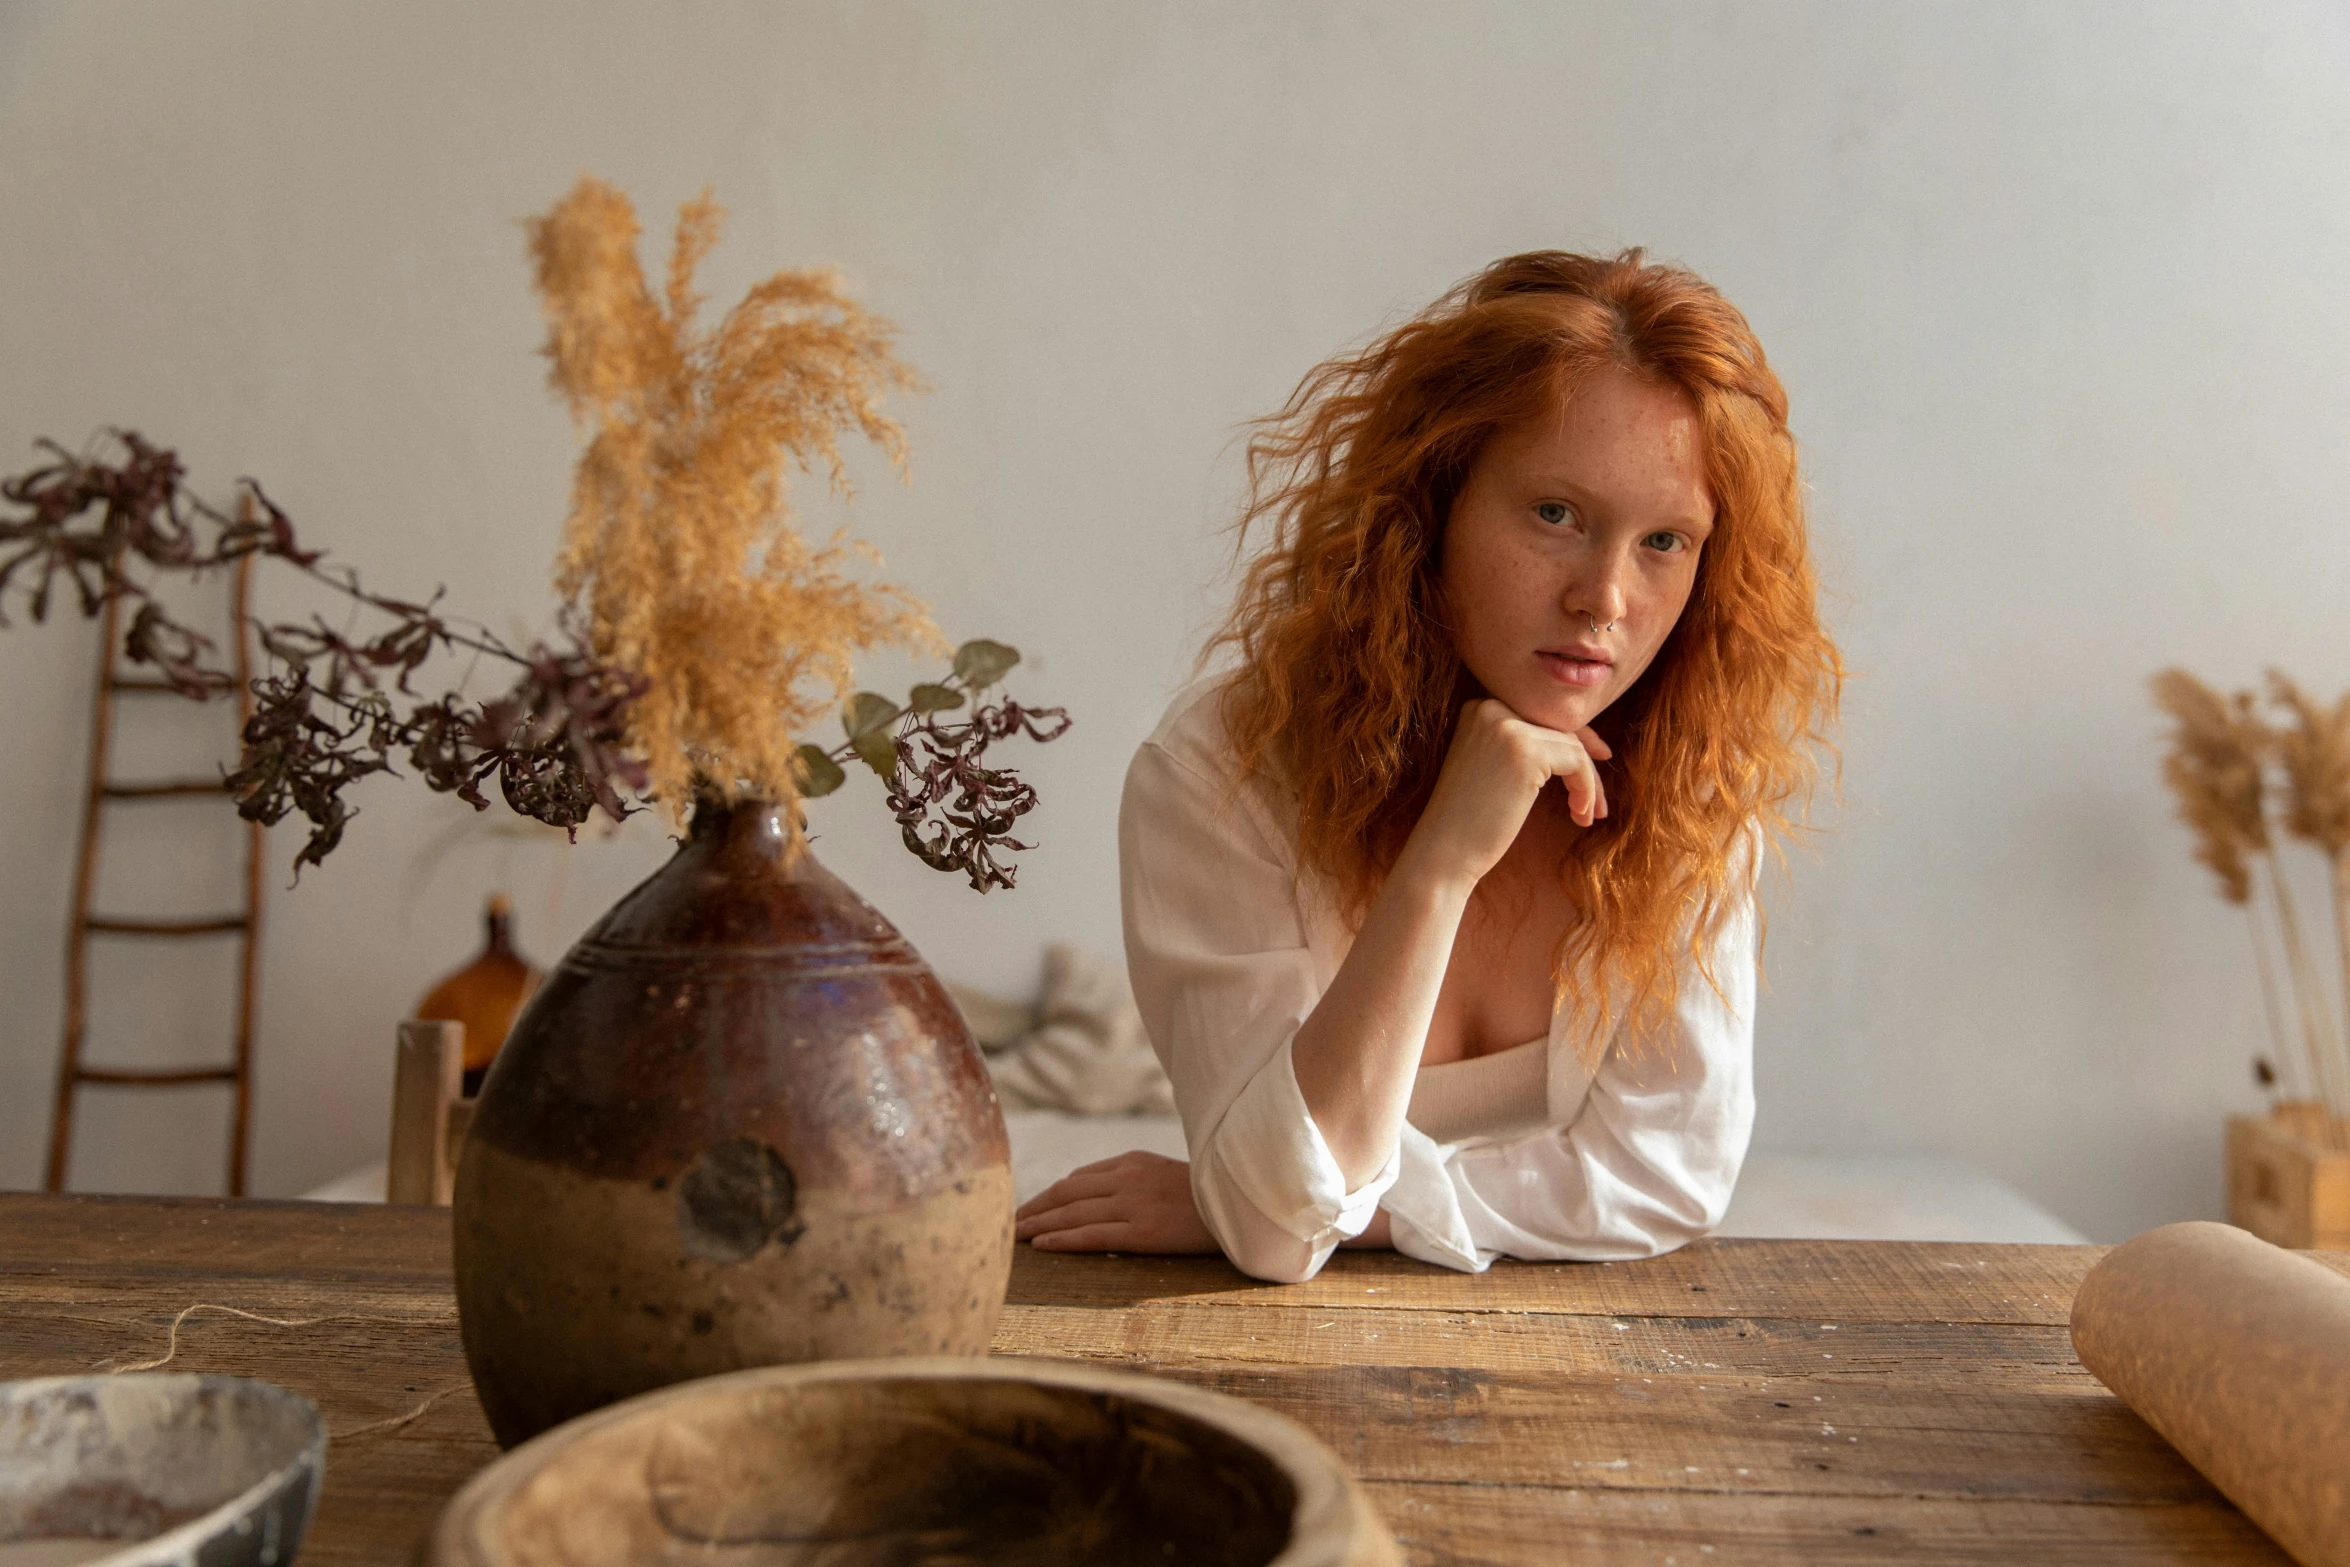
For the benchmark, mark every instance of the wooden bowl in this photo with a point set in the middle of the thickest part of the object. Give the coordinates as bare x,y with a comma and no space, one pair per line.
152,1468
898,1463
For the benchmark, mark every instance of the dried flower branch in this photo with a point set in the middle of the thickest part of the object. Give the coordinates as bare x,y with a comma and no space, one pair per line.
701,634
954,813
331,709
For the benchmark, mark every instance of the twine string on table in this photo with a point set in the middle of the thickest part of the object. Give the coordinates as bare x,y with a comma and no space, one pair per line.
172,1344
172,1348
397,1421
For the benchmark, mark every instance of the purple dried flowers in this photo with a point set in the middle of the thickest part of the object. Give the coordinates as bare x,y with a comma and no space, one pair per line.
334,707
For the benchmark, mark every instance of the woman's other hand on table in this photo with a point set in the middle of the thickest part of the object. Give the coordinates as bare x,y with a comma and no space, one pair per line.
1137,1202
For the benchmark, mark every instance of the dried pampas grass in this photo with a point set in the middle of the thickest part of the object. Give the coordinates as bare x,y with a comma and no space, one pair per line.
679,553
2219,767
2214,769
2315,754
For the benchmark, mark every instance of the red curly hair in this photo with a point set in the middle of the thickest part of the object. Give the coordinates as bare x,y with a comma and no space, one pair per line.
1348,684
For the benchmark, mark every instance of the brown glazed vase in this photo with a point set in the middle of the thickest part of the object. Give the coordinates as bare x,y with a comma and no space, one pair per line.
741,1123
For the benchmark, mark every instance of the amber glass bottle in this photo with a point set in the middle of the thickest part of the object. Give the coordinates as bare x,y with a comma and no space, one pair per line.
485,994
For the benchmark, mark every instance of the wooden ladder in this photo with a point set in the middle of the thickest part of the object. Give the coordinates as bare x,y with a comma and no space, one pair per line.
244,923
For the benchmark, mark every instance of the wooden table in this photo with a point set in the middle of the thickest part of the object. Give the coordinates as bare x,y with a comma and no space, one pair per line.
1738,1401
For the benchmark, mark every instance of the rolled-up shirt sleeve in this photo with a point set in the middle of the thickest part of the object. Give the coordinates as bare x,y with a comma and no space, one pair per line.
1216,946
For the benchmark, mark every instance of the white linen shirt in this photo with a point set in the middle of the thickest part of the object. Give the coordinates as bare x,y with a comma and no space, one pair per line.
1230,950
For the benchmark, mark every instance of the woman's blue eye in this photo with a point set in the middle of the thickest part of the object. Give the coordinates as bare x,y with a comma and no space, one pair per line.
1556,513
1664,543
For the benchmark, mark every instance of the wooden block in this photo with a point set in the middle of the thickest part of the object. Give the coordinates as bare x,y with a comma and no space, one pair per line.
2304,1118
2287,1187
427,1080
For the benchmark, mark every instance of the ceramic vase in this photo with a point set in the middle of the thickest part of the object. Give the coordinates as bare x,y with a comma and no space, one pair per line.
741,1123
485,994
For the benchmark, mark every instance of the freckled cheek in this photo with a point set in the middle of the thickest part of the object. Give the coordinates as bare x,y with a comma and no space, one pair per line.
1501,594
1657,617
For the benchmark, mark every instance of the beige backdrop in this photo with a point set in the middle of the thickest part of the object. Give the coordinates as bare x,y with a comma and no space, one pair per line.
2058,290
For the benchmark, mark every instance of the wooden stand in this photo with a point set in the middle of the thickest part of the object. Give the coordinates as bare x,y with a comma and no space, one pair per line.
430,1114
2288,1180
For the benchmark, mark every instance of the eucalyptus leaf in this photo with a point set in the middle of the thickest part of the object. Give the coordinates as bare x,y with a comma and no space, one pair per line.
980,663
819,774
878,751
867,712
934,698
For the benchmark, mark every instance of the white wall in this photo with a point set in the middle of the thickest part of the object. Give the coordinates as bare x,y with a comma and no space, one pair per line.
2058,291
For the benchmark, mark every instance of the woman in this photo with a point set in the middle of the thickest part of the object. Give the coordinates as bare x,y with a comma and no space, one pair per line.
1410,993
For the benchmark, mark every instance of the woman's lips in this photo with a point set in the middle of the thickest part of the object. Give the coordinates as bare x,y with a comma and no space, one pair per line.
1573,669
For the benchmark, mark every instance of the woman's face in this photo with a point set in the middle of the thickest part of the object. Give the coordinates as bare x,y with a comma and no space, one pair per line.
1572,547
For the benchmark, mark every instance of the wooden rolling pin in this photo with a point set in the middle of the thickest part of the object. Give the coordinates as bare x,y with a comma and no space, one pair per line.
2238,1352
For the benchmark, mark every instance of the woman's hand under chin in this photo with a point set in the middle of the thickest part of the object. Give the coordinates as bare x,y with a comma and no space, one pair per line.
1139,1202
1496,766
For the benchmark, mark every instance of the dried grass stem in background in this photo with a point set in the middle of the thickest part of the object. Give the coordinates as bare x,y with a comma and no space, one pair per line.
2314,753
2225,766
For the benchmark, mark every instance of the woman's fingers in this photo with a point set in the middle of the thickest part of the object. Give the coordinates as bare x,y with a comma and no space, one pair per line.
1064,1215
1136,1202
1089,1180
1090,1237
1571,758
1599,750
1496,768
1067,1189
1566,758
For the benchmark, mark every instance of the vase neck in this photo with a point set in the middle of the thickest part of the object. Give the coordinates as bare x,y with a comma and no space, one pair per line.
750,826
498,926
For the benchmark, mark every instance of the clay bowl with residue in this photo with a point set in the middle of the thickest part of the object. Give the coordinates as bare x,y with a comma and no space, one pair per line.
156,1468
886,1463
